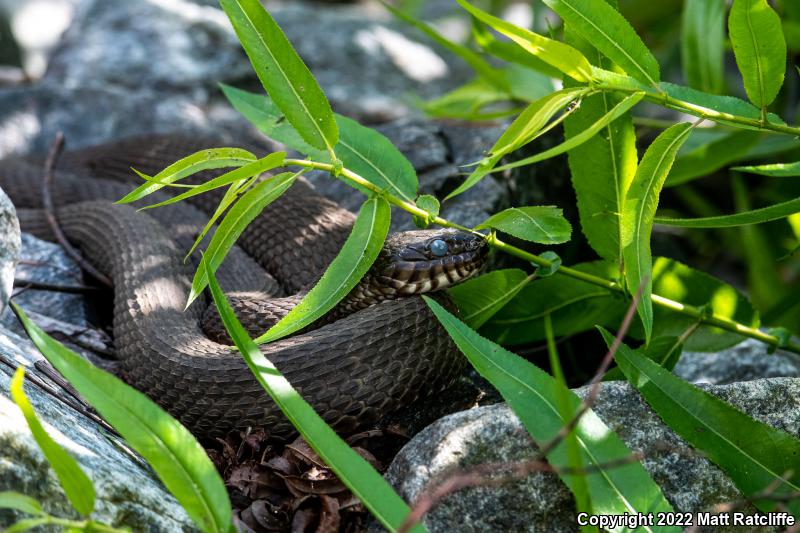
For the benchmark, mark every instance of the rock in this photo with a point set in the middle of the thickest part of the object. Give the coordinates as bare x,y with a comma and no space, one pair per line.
9,248
744,362
127,491
541,502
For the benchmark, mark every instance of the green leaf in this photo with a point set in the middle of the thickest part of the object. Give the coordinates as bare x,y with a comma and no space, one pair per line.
355,472
722,104
202,160
533,396
27,524
640,209
482,67
556,54
680,283
371,155
526,127
511,52
712,156
755,456
585,134
242,173
544,224
468,102
664,351
76,484
703,44
356,256
478,299
755,216
283,74
778,170
574,306
262,112
431,205
760,49
609,32
236,220
20,502
173,453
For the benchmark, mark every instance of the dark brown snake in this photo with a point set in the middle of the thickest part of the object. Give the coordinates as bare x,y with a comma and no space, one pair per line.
353,370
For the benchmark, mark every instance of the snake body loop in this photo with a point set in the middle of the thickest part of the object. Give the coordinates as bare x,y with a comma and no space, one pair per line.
354,367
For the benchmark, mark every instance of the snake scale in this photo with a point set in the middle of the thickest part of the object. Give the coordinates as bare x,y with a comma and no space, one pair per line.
354,367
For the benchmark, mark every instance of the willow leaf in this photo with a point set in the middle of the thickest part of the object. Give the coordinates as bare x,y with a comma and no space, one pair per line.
703,44
640,209
556,54
236,220
20,502
608,31
755,216
198,161
533,396
168,447
712,156
760,49
478,299
778,170
730,438
543,224
283,74
354,259
76,484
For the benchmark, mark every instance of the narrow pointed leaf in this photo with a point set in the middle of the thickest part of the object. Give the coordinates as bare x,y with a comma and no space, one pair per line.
20,502
712,156
533,396
703,44
249,170
356,256
720,103
755,216
478,299
556,54
640,209
760,49
778,170
76,484
375,158
511,52
526,127
283,74
355,472
173,453
755,455
202,160
544,224
236,220
608,31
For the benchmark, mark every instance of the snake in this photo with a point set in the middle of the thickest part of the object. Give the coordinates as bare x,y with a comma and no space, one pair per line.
378,351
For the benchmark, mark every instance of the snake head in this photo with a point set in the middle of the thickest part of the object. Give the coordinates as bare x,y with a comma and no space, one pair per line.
415,262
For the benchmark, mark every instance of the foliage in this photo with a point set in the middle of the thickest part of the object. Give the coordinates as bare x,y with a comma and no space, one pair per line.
608,72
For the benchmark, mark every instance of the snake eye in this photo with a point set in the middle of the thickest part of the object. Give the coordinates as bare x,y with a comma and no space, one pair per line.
439,248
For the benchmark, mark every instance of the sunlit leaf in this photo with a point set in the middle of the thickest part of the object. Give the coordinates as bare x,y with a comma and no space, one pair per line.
354,259
544,224
19,502
755,216
640,209
533,396
355,472
76,484
511,52
778,170
760,49
173,453
756,456
282,73
236,220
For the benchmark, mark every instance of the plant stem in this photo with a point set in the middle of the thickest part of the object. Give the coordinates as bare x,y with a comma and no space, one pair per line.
491,239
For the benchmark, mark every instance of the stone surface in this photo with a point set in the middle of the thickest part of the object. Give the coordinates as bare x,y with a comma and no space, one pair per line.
127,491
746,361
541,502
9,248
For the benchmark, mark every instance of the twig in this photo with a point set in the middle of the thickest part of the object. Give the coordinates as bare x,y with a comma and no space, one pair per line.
49,211
55,287
480,475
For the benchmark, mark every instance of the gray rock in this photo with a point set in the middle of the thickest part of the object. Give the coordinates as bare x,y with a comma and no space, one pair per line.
541,502
9,248
746,361
127,491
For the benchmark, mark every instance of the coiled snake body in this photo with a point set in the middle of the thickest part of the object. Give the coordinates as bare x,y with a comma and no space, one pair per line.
353,369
